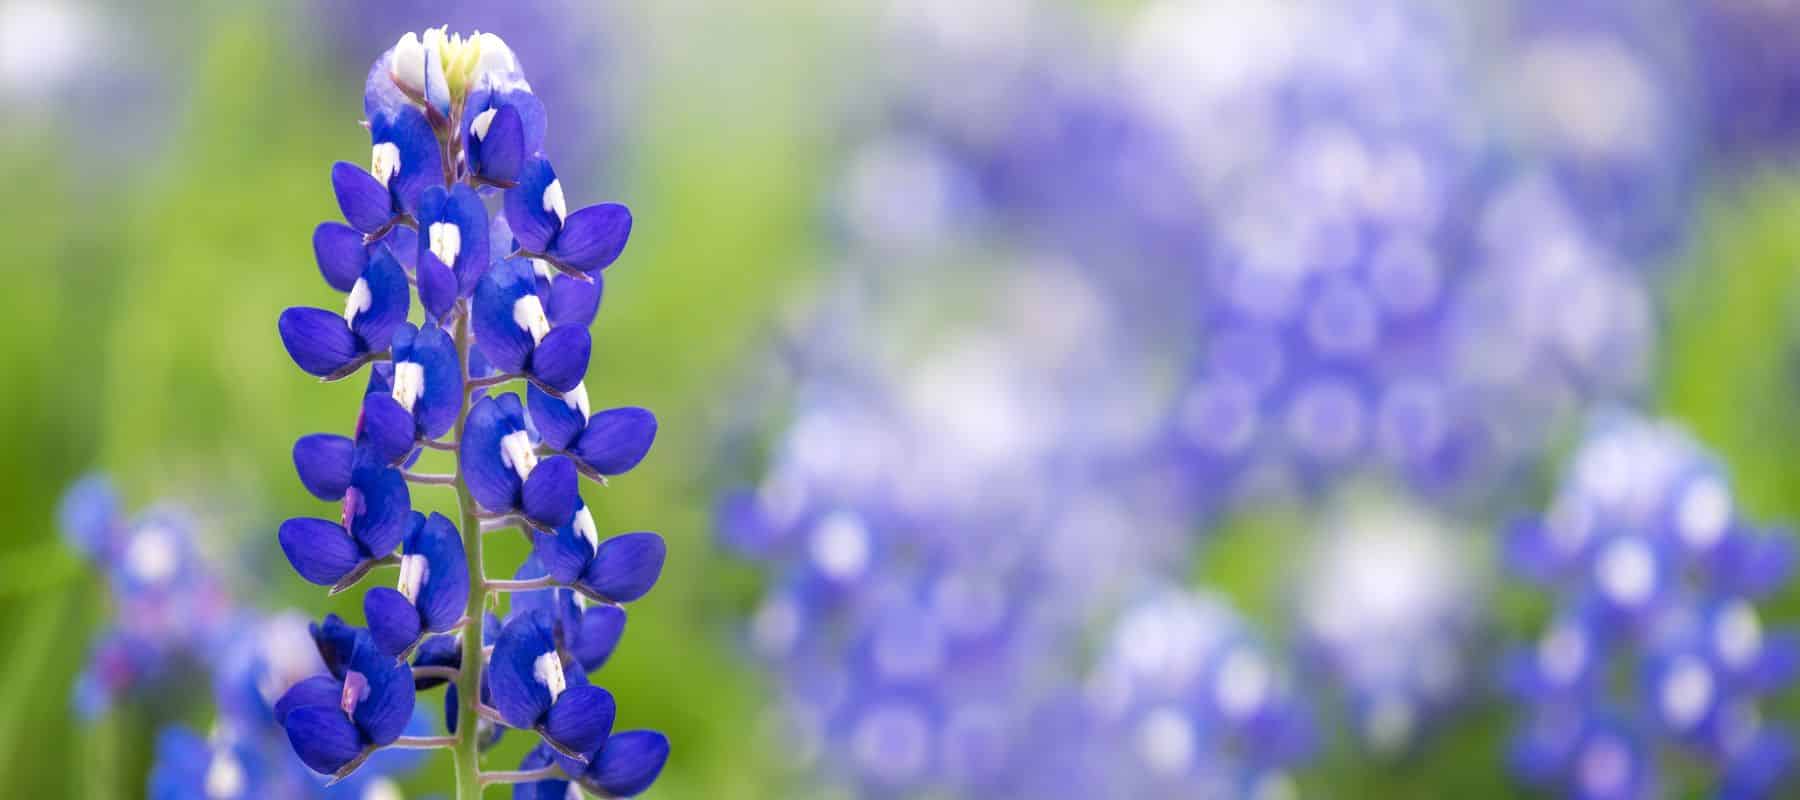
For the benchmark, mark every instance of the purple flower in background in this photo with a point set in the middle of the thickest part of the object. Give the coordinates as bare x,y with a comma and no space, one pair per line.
1389,613
1750,75
1186,702
168,604
1655,641
460,201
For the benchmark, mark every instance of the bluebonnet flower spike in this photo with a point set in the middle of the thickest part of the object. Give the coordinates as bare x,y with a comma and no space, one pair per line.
453,123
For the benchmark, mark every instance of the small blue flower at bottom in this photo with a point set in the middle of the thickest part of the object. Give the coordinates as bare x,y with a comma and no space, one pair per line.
500,463
433,588
335,722
515,332
626,766
534,690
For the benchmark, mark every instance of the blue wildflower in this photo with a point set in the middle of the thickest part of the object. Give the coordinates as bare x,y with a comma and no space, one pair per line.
584,242
534,690
336,721
1643,546
433,588
455,127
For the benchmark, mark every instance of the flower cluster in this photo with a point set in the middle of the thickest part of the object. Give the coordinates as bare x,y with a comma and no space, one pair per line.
1375,265
456,132
1655,642
169,605
916,627
174,620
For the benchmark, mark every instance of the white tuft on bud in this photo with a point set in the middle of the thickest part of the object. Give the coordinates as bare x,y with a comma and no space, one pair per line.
384,162
414,571
408,69
577,399
358,301
446,242
548,670
516,452
479,127
584,527
409,383
553,201
528,314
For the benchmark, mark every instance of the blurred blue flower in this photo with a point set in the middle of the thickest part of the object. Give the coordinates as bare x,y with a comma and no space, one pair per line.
1655,641
1390,614
1185,701
168,604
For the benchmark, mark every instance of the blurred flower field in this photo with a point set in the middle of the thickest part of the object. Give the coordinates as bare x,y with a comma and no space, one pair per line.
1158,398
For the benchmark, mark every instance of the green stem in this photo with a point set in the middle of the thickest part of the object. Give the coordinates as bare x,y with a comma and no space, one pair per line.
467,752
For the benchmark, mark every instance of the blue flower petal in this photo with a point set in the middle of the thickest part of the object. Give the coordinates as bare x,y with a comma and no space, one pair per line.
499,155
320,550
445,592
580,719
561,359
564,554
437,286
494,484
323,461
506,346
552,492
383,513
557,422
318,690
389,298
511,676
574,302
323,737
89,514
339,250
593,237
421,163
501,90
533,225
336,640
366,204
597,636
617,440
318,341
467,212
627,566
382,715
385,429
629,763
436,408
393,622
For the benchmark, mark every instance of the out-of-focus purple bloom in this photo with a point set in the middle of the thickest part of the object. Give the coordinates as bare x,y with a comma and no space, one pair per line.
1750,74
1655,641
1185,701
1389,613
168,604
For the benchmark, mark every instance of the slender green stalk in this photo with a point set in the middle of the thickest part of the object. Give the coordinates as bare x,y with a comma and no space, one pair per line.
467,752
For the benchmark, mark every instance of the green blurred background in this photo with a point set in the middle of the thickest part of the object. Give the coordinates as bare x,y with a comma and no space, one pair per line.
138,338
